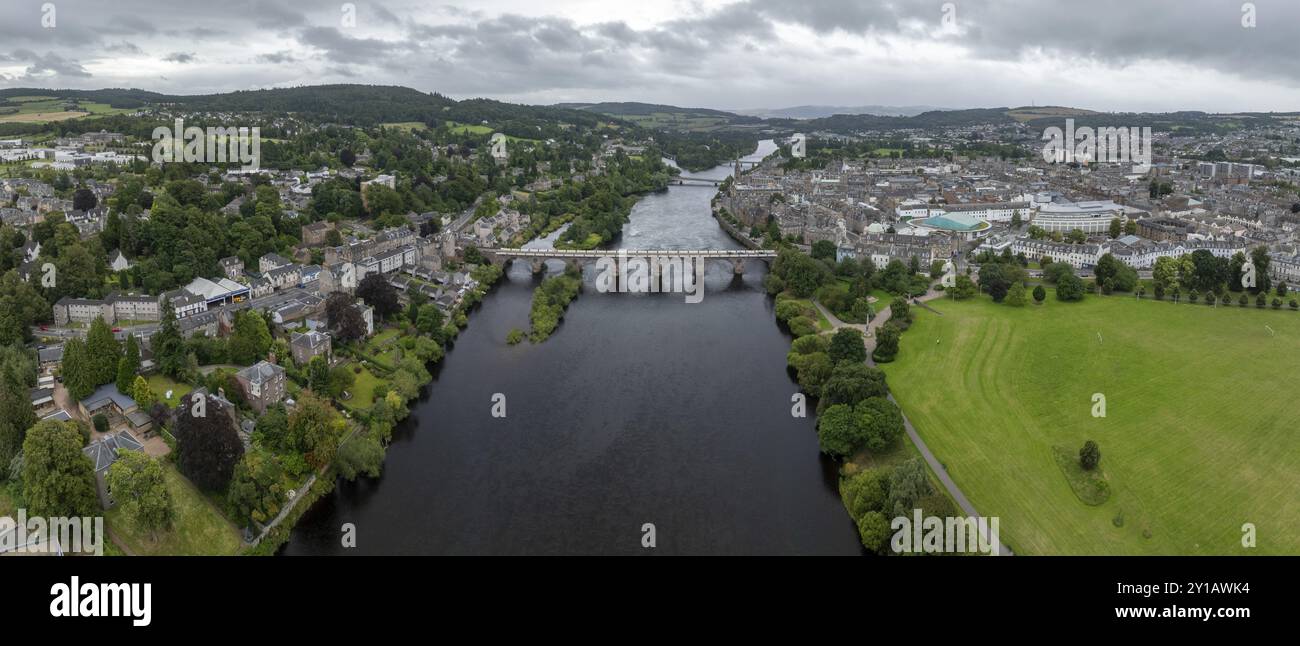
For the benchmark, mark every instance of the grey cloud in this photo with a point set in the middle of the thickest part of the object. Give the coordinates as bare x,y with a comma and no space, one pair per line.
180,57
342,48
123,47
47,65
283,56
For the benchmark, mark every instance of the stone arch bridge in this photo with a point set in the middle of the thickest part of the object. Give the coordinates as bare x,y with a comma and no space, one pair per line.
573,257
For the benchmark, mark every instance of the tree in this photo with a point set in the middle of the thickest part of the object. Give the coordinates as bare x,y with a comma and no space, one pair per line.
812,369
886,342
1089,455
128,367
207,446
339,380
802,325
900,312
864,491
908,484
847,346
77,369
1017,296
874,531
348,323
1107,267
140,490
362,454
250,338
100,423
1040,294
824,250
16,414
21,305
104,352
879,422
993,278
168,346
141,393
964,288
1116,228
315,429
862,310
318,374
428,319
1069,288
801,273
380,294
256,490
851,383
84,199
58,479
1263,281
837,432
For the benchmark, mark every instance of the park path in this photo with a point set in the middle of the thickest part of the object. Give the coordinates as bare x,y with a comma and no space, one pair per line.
302,493
882,317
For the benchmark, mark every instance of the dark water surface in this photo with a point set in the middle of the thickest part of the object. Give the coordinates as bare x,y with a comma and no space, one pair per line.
639,409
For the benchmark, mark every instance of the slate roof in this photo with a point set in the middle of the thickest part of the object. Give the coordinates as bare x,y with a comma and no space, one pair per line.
104,452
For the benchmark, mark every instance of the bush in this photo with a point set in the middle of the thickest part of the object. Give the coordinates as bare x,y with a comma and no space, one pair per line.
100,422
802,326
1089,455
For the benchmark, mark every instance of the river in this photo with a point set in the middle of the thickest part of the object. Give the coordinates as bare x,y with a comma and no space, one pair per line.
639,409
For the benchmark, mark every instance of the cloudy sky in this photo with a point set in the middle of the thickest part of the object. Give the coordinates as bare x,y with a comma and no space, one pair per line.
1154,55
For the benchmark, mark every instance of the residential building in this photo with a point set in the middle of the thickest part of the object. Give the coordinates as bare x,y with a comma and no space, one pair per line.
263,384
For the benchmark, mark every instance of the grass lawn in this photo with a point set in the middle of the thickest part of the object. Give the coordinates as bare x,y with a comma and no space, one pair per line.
363,390
1199,435
383,337
464,128
160,384
198,528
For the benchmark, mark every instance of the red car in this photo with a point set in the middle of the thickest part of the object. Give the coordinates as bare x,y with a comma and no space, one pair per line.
45,328
117,329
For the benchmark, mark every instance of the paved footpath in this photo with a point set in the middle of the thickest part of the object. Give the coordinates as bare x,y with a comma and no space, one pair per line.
882,317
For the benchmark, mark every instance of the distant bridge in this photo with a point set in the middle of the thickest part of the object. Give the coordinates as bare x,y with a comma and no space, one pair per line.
538,257
687,180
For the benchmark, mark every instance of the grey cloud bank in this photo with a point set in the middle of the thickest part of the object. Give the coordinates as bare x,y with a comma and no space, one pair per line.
1104,54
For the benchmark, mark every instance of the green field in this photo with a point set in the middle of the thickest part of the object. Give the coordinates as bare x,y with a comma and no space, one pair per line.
465,128
406,126
34,109
1201,433
198,529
